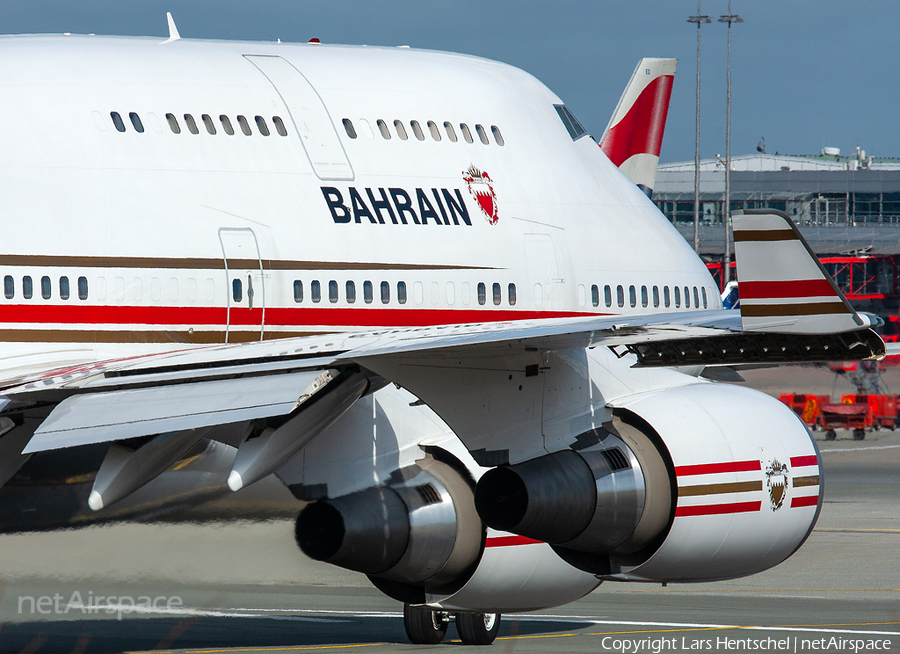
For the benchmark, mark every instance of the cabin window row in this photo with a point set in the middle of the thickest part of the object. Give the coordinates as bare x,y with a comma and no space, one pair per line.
210,124
46,286
332,291
419,133
675,296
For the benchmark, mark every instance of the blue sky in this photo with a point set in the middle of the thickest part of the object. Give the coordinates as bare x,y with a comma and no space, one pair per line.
805,73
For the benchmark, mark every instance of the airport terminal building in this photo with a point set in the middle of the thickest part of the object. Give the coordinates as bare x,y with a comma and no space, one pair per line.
847,207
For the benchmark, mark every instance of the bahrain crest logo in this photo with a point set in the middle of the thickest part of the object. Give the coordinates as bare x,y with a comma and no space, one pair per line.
777,482
482,189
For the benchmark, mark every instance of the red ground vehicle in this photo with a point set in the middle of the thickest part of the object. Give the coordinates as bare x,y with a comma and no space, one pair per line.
845,416
882,409
806,406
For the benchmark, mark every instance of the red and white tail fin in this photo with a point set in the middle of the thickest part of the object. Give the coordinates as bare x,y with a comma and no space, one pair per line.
633,138
783,286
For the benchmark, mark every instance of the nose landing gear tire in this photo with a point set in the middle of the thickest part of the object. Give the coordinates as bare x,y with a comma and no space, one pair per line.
424,626
478,628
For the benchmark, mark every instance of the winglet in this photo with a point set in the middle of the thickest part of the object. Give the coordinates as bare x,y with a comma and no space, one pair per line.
783,286
173,31
633,138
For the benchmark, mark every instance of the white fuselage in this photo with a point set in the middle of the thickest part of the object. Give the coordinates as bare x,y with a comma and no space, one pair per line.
161,236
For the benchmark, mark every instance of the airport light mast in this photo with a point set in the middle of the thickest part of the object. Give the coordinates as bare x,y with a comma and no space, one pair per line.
726,272
699,19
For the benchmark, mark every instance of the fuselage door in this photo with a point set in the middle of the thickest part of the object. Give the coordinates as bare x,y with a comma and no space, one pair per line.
310,117
543,271
245,280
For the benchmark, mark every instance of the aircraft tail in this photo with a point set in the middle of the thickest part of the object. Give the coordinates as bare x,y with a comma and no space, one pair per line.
633,138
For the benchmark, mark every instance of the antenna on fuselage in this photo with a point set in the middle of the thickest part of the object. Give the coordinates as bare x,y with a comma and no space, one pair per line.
173,31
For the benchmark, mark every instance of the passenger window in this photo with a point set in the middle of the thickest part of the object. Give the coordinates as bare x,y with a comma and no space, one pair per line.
332,291
451,133
348,127
418,293
315,291
482,293
644,299
607,295
498,137
237,290
350,292
191,125
620,295
383,128
263,128
117,121
136,122
385,293
511,290
696,298
496,292
595,295
538,295
666,299
82,288
451,293
677,297
9,287
656,296
435,132
703,291
244,125
46,291
401,292
226,124
632,296
27,287
279,125
368,295
687,297
173,123
298,290
465,132
482,134
208,123
401,130
417,130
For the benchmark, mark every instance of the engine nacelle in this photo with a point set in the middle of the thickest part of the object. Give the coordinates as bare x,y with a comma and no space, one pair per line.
420,529
697,482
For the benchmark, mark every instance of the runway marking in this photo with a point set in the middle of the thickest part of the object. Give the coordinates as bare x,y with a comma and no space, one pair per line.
854,530
289,648
861,449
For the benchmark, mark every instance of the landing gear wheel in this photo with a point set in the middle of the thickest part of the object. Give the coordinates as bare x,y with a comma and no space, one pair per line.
478,628
858,434
424,626
830,435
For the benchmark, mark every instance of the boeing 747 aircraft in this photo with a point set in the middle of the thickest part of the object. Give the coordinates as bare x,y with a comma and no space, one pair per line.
411,285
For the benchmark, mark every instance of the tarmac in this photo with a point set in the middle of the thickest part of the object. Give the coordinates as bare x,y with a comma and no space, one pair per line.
227,577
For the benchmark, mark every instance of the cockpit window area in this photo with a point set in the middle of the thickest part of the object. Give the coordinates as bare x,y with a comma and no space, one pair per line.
575,129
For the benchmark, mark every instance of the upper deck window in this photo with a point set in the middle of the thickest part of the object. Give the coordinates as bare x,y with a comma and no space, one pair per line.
208,123
482,134
191,125
383,128
435,132
245,126
348,125
466,133
226,124
417,129
498,137
261,124
451,133
401,130
173,123
576,131
117,120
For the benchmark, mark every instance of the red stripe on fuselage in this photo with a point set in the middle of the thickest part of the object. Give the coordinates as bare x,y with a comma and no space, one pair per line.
809,460
275,316
506,541
713,468
641,129
717,509
790,289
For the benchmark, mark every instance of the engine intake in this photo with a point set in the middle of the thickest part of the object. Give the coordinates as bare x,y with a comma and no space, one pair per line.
421,528
612,498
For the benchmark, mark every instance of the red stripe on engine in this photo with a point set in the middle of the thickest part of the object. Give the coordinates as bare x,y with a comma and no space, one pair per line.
810,460
505,541
810,500
789,289
717,509
713,468
641,129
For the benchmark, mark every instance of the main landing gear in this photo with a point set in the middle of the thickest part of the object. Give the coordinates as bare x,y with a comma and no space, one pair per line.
427,627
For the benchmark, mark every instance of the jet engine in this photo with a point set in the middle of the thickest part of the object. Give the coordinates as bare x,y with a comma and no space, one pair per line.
419,529
696,482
